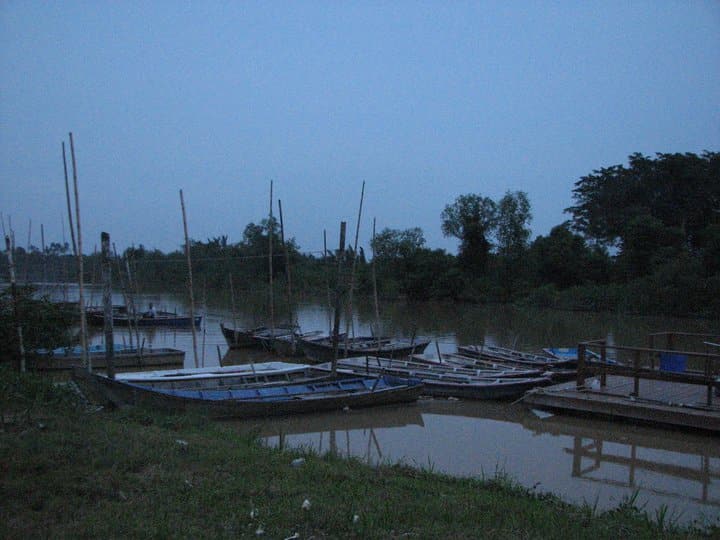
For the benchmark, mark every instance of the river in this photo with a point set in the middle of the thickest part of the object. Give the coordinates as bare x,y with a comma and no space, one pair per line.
582,460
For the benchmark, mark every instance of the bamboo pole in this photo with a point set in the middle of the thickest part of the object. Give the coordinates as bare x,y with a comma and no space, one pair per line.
338,298
107,305
13,291
327,281
69,206
287,263
271,229
133,315
44,258
375,292
349,318
126,297
81,298
190,279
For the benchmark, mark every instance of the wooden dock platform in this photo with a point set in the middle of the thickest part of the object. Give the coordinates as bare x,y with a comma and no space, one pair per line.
665,403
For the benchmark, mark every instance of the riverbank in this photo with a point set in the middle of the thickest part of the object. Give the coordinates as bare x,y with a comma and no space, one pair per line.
70,472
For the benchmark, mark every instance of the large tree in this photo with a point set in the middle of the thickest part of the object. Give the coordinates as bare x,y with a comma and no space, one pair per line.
471,219
677,191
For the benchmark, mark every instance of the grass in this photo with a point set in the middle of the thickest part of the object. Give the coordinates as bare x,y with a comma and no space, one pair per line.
70,472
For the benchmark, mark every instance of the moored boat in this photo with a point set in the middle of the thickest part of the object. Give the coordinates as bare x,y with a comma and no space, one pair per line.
66,358
121,317
254,402
445,380
235,376
322,350
259,337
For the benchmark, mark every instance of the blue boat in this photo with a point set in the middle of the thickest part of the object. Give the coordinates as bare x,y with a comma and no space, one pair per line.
273,400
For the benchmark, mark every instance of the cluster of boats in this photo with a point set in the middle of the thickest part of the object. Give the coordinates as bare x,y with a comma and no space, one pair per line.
280,388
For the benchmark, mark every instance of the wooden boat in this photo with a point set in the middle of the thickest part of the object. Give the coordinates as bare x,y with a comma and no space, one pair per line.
571,354
159,318
254,402
291,345
322,350
67,358
446,381
459,361
260,337
511,356
242,375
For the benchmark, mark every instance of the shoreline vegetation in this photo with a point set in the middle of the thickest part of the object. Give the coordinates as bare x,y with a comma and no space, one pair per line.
70,470
641,238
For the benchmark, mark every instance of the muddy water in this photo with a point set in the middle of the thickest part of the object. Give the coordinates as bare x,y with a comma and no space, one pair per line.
582,460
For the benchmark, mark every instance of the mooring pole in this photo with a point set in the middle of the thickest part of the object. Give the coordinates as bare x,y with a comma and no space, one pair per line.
338,299
13,292
190,280
107,305
69,206
81,298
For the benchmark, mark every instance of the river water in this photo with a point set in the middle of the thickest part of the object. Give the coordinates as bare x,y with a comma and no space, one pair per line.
582,460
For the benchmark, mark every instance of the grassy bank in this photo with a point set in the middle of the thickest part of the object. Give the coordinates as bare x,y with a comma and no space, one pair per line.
71,472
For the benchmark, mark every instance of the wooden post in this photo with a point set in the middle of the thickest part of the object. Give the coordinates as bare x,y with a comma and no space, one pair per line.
603,360
232,306
81,277
13,292
107,305
338,302
581,367
636,374
190,279
69,206
349,319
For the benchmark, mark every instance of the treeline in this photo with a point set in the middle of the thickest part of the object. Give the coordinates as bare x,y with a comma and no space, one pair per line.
642,237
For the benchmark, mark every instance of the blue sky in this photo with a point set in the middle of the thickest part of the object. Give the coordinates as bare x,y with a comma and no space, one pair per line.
424,101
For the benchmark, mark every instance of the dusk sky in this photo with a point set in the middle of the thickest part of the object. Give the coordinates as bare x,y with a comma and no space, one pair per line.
424,101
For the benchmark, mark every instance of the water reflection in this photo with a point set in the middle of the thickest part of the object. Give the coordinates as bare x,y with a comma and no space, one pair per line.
597,462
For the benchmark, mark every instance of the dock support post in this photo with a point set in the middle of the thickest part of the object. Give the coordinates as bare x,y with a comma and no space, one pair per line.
581,367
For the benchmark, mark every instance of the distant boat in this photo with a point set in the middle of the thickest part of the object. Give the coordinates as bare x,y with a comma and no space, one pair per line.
254,402
66,358
121,317
446,380
322,350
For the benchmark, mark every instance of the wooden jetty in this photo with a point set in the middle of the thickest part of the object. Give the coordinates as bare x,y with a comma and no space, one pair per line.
656,386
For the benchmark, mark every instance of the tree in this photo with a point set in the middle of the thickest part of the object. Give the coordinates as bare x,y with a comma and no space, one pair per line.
471,219
513,217
392,244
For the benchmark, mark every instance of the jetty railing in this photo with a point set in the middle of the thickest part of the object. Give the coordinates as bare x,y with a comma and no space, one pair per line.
639,363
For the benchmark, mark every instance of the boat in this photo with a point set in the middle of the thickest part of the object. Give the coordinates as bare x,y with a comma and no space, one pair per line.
260,337
253,402
66,358
511,356
446,381
242,375
121,317
571,354
291,346
322,350
460,361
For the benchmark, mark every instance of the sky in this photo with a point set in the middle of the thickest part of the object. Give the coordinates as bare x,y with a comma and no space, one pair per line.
422,101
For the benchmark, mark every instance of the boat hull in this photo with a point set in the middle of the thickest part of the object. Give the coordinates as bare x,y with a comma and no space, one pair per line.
382,391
